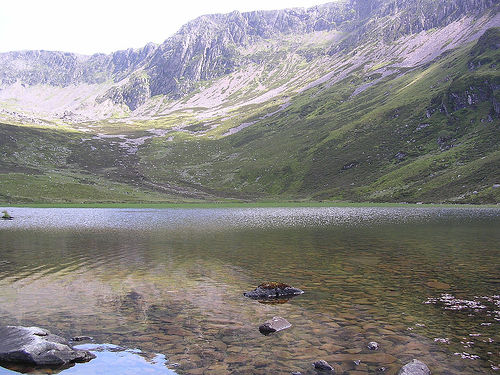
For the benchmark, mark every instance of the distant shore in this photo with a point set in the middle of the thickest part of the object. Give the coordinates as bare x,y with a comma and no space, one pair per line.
277,204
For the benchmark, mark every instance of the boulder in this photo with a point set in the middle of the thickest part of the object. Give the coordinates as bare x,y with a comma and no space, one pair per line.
35,346
414,367
269,291
323,366
276,324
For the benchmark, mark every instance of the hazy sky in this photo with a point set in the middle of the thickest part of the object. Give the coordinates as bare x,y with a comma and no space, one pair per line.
89,26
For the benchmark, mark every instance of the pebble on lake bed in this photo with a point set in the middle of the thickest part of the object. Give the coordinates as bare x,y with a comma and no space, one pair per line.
414,367
322,365
276,324
372,345
444,340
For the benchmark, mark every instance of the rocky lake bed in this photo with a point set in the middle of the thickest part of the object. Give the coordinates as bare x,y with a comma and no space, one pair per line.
156,292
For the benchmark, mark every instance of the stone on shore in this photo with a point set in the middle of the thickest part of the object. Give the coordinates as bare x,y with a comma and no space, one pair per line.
414,367
273,290
35,346
276,324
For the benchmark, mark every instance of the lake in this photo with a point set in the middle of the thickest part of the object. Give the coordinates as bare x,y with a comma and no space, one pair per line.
161,291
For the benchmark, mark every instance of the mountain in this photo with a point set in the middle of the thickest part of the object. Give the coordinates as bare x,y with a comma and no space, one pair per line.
380,100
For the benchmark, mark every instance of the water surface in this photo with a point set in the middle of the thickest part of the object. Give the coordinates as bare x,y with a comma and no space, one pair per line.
422,282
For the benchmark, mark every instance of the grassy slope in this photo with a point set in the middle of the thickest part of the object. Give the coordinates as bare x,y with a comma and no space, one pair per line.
55,165
327,145
392,142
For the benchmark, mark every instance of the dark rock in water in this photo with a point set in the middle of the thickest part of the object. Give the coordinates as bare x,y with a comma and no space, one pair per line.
273,291
414,367
373,345
82,338
35,346
276,324
323,366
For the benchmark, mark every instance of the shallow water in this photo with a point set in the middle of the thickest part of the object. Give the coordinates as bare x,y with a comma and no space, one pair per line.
422,282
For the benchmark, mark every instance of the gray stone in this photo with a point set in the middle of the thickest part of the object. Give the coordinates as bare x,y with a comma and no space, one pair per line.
276,324
414,367
323,366
37,347
373,345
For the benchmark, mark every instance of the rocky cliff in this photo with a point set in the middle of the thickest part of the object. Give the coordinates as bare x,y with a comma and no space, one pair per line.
209,47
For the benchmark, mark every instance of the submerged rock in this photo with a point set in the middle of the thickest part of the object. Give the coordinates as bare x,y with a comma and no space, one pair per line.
276,324
414,367
323,366
35,346
273,291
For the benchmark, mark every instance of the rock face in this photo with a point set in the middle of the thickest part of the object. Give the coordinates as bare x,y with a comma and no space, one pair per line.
207,47
35,346
414,367
270,291
276,324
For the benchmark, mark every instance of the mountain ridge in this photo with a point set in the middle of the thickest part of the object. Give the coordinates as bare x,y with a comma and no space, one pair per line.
380,100
205,48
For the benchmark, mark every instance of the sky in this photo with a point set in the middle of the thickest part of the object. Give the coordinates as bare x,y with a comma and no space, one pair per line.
91,26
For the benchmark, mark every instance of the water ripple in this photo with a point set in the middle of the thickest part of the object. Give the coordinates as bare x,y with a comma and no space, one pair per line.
109,218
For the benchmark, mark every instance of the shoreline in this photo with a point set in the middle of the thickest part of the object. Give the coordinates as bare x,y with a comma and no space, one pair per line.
278,204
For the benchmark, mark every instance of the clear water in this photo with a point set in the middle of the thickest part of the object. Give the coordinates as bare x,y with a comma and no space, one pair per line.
166,286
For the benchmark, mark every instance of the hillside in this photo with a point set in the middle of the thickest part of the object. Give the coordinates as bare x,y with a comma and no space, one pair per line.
390,101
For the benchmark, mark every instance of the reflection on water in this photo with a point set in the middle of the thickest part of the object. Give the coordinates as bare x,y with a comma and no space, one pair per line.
110,359
172,281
